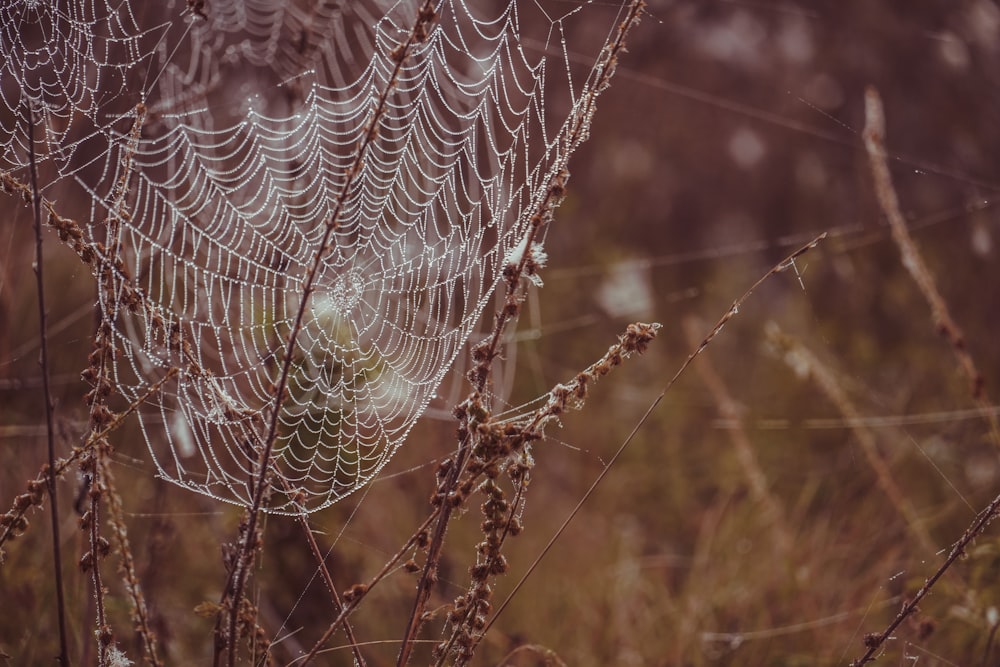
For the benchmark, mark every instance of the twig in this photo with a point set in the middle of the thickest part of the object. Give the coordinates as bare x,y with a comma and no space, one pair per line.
773,511
99,548
797,355
13,521
418,34
338,605
116,518
303,520
94,462
576,131
989,642
874,138
547,655
730,314
428,576
36,204
874,641
357,593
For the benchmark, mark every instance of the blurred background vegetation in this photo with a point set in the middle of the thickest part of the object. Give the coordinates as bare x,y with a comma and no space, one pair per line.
730,136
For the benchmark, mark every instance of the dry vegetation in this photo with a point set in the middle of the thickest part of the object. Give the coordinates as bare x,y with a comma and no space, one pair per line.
790,500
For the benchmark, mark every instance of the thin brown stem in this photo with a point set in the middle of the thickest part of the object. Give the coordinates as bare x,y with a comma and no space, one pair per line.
98,549
116,518
473,620
874,641
874,138
576,131
338,605
24,501
756,479
989,643
36,205
418,539
799,356
428,576
418,34
787,263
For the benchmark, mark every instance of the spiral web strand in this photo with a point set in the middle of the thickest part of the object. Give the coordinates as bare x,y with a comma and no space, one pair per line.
221,145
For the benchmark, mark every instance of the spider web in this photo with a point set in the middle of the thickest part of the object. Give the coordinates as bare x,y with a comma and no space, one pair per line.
219,186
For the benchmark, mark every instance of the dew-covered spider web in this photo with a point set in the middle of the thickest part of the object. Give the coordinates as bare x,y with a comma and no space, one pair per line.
219,140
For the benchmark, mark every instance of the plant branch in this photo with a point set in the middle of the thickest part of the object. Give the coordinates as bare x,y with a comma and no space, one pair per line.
303,520
759,487
787,263
798,355
357,593
116,518
874,138
418,34
13,522
36,205
472,412
874,641
94,462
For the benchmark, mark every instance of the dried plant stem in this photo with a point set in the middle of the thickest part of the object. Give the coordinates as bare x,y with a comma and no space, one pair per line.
98,550
419,33
505,445
787,263
874,641
15,516
874,138
773,511
468,627
105,265
115,290
576,131
499,447
419,539
338,605
36,204
798,356
428,576
95,461
116,518
989,643
545,654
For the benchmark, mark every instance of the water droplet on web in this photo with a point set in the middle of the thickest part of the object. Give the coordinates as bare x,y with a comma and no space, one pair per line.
346,291
363,354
